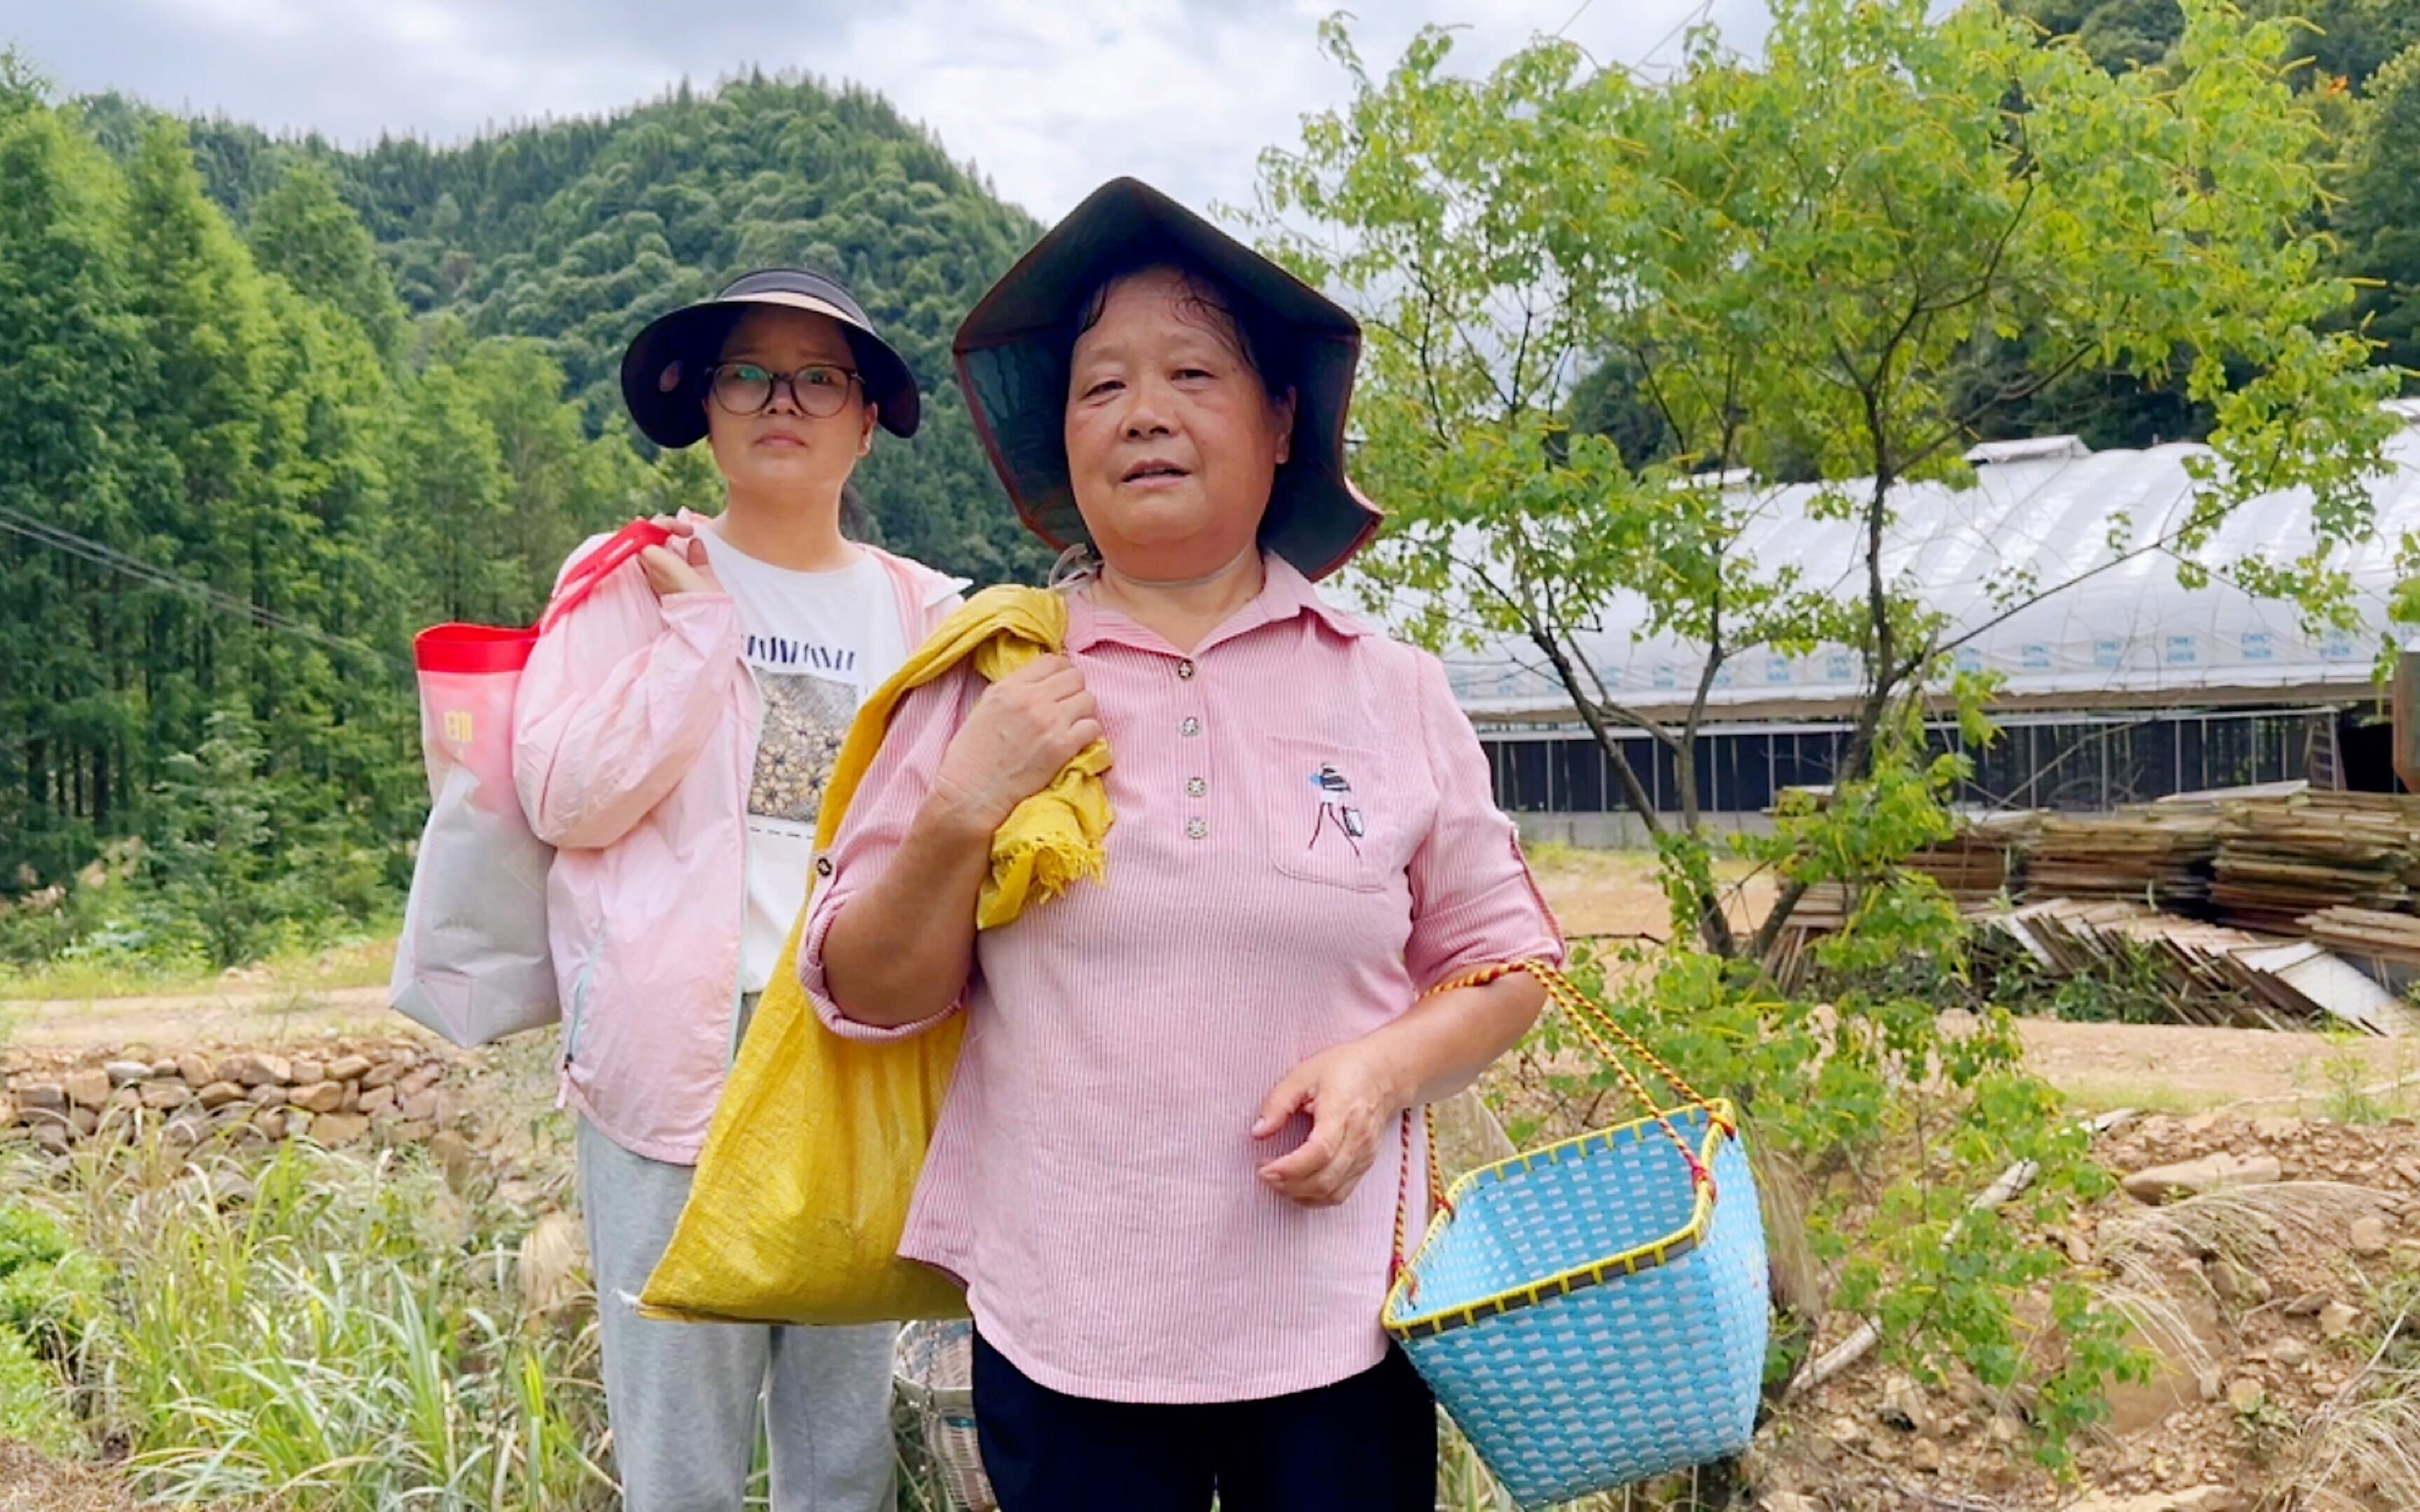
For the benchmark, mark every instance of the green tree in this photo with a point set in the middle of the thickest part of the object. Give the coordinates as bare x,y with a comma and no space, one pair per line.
65,728
455,505
2379,217
1800,263
303,230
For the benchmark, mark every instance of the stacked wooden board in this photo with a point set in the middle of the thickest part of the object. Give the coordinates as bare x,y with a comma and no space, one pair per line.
2276,906
2209,974
2282,858
2369,933
2153,856
1985,860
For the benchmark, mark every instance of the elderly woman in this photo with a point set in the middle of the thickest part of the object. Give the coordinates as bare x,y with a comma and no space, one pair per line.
672,739
1170,1169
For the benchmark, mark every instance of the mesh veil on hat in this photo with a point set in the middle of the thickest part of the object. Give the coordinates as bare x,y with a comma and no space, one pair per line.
1011,361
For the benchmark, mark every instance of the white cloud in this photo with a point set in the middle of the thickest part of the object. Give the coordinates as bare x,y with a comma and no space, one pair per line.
1046,99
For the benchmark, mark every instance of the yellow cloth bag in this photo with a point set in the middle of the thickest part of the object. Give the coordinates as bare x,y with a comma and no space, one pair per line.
802,1189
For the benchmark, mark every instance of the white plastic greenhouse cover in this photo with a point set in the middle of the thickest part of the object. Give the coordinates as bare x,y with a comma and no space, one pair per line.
2129,635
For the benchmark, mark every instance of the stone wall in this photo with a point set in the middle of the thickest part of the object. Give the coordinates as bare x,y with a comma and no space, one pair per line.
336,1093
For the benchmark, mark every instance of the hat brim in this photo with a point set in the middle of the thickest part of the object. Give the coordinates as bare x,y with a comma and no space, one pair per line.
1012,366
663,368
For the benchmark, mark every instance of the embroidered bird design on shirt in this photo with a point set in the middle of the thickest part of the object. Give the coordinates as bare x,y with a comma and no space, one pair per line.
1333,790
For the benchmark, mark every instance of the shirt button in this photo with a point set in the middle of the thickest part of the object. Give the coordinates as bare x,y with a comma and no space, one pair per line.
823,866
1195,787
1190,727
1185,670
1196,827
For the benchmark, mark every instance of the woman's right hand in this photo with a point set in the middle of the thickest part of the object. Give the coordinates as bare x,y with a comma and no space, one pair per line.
679,565
1021,731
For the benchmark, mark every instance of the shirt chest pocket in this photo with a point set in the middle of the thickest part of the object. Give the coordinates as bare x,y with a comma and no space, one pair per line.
1334,816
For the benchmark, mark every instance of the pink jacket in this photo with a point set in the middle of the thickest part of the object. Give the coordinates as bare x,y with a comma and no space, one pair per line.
633,737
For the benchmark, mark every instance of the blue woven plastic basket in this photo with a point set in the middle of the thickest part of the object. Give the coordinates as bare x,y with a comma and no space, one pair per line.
1594,1313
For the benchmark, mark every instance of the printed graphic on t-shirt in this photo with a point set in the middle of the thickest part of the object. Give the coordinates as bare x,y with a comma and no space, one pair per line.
806,719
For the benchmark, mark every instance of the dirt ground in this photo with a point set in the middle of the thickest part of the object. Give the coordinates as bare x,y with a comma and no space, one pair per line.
2337,1115
1598,893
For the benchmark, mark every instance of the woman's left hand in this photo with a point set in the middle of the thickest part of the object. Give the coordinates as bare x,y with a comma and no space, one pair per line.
1351,1095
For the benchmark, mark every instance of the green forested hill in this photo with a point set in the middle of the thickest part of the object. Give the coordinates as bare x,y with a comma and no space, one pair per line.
576,233
270,407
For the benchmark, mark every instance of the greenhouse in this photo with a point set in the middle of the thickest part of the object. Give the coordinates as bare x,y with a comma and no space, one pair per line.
2120,684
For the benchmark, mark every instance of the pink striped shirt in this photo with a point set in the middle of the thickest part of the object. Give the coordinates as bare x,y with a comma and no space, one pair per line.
1306,841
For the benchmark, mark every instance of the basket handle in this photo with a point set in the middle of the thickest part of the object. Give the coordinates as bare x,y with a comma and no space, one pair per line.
1602,1033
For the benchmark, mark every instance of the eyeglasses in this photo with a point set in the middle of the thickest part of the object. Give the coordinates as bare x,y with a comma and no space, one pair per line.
818,389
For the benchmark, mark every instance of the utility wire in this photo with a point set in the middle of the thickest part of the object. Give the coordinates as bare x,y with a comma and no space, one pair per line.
18,523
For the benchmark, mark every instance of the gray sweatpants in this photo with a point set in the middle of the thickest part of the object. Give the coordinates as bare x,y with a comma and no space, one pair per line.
683,1398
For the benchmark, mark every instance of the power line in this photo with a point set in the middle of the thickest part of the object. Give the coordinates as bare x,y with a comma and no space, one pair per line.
100,554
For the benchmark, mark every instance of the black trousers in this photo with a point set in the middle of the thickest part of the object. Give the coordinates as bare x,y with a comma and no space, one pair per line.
1366,1444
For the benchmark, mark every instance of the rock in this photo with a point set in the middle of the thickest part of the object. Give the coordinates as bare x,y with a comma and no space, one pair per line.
162,1096
2209,1383
321,1097
1925,1456
259,1070
352,1098
333,1129
298,1123
309,1069
452,1153
121,1072
2270,1127
162,1068
269,1095
84,1121
2235,1283
421,1107
348,1068
2199,1498
428,1076
86,1089
378,1099
195,1070
410,1130
182,1133
2337,1321
45,1096
2246,1395
1903,1407
270,1122
2290,1352
386,1074
53,1138
2408,1167
2195,1177
1787,1502
2306,1306
2369,1237
219,1094
127,1097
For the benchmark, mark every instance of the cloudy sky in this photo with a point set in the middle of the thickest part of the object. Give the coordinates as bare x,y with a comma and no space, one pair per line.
1047,97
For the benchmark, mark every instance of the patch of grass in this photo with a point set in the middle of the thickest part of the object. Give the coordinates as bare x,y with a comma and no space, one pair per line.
2105,1096
323,1331
364,962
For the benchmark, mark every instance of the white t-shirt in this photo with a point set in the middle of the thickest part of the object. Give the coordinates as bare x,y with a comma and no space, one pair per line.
816,644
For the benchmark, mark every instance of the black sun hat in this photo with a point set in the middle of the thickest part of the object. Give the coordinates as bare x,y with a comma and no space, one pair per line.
1012,360
663,371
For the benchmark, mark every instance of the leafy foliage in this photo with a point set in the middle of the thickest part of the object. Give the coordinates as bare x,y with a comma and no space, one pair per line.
1592,299
353,393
